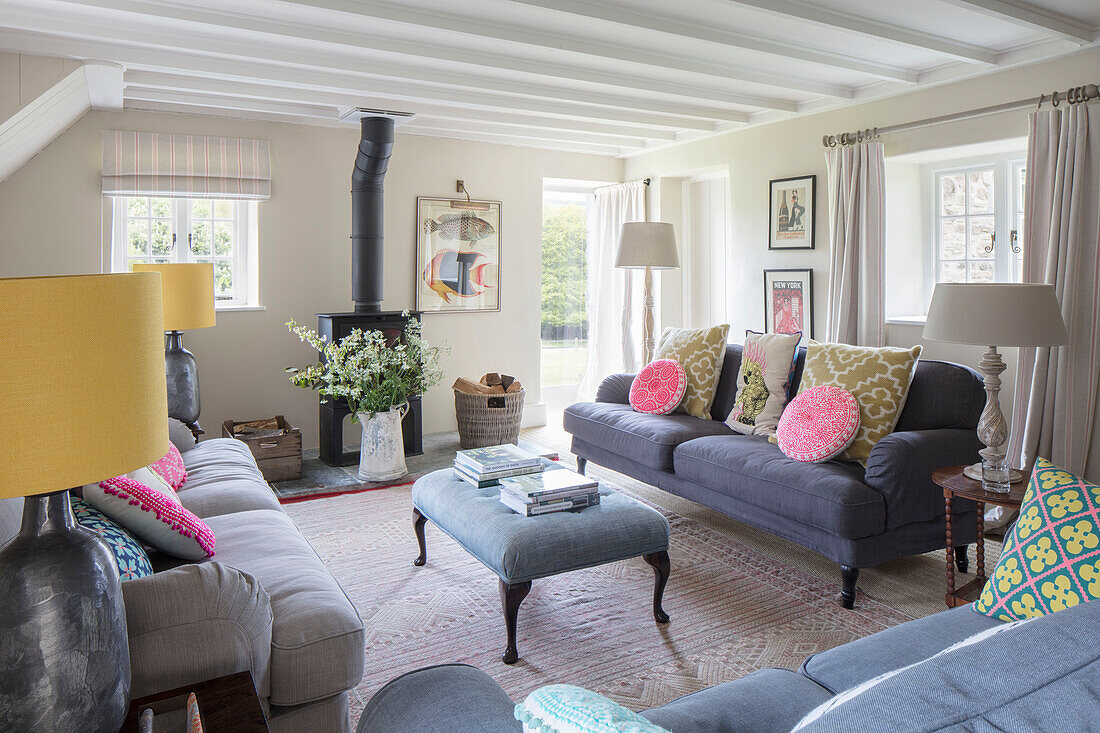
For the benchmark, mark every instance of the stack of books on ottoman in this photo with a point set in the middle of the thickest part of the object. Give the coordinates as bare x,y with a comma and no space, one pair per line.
524,486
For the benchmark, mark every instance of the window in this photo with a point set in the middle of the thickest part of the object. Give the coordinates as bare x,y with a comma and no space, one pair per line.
564,327
221,231
1016,239
978,215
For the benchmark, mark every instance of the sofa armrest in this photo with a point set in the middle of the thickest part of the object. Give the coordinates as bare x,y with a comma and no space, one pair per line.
196,622
615,388
900,468
442,699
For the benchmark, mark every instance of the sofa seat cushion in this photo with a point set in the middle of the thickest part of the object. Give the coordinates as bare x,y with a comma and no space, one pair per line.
222,478
830,496
317,641
766,700
646,439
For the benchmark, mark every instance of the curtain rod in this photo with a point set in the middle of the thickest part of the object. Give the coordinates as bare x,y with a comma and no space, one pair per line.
646,181
1076,95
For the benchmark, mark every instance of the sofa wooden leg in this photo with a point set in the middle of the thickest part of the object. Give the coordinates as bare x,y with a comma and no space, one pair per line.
582,463
661,568
418,528
848,575
962,562
511,595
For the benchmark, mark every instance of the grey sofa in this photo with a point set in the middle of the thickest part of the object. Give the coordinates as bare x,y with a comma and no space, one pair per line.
858,517
264,603
1035,677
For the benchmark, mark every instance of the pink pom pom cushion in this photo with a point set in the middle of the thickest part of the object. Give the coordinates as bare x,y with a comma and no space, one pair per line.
142,502
659,387
171,468
818,424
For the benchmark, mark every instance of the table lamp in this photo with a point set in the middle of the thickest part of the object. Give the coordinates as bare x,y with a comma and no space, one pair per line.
648,245
994,314
81,400
188,289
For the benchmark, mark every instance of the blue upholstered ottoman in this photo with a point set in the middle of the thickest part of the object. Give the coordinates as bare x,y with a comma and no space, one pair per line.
522,549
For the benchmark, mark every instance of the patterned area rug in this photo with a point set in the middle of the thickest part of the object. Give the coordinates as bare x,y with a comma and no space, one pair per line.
734,609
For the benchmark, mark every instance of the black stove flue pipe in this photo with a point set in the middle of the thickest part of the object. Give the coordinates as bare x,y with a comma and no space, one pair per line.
375,146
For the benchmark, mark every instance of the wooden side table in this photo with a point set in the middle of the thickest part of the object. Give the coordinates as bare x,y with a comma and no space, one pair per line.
226,703
956,484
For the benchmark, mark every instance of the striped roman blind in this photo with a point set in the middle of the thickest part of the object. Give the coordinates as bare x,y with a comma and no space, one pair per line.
196,166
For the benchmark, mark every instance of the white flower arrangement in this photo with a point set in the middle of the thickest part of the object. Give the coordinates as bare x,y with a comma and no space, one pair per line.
365,369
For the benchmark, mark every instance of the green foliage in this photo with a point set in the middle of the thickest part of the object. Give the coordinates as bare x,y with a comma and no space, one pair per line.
564,267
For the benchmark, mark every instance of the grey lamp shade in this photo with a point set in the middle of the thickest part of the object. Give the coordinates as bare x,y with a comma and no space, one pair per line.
647,244
995,314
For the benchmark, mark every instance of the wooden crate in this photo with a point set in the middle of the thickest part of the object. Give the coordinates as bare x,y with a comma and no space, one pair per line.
278,456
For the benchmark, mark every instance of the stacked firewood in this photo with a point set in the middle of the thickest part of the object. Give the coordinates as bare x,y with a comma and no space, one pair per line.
491,383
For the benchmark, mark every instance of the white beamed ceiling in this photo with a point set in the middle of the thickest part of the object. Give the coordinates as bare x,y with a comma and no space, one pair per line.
612,78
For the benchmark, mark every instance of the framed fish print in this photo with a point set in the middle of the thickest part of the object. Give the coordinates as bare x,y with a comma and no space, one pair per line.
457,255
791,221
789,301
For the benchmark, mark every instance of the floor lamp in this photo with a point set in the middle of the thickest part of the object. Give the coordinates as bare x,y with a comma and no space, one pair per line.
649,246
81,400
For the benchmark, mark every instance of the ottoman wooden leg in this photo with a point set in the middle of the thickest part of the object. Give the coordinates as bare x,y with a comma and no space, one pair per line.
661,569
511,595
419,521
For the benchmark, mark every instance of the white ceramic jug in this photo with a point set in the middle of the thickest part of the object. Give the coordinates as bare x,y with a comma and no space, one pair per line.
382,450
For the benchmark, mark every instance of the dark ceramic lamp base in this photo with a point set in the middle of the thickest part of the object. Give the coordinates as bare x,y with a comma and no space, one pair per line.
64,657
182,374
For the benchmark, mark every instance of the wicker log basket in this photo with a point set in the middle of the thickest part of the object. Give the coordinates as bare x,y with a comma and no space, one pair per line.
488,419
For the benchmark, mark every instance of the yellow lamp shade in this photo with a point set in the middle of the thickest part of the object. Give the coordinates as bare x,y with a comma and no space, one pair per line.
82,390
188,289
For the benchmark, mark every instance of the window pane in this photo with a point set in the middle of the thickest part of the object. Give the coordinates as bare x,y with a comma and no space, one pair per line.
1021,177
952,272
162,237
981,272
981,237
952,194
981,192
138,236
223,239
161,208
223,210
952,239
138,207
200,238
223,277
200,208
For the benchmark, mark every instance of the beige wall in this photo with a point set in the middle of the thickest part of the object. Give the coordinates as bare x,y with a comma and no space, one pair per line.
23,78
51,212
793,147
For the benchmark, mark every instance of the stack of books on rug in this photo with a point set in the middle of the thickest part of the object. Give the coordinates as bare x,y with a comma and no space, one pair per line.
524,486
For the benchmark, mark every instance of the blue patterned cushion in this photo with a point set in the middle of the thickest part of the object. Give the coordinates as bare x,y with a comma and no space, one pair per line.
130,556
569,709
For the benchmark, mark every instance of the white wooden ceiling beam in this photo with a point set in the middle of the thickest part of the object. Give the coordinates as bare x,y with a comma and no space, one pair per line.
693,32
290,93
104,85
145,94
519,141
872,29
263,29
1031,17
229,48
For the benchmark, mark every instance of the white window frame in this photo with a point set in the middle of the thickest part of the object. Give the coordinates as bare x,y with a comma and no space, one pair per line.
245,252
1006,262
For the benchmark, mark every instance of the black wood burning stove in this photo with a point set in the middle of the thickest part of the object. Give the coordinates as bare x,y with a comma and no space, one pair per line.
375,146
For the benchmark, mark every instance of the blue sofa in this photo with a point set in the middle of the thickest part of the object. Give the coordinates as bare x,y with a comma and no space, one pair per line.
1038,676
857,516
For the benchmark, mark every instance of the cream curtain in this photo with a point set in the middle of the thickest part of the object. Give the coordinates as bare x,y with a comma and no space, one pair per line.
1056,388
612,342
857,235
195,166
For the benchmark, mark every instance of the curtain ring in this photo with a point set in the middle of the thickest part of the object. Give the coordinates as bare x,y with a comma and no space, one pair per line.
1039,106
1054,100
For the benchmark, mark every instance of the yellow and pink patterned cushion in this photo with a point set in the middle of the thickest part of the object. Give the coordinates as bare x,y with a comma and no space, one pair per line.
818,424
1051,558
171,468
659,387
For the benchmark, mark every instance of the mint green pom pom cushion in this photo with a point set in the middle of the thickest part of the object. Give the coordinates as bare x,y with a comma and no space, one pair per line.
569,709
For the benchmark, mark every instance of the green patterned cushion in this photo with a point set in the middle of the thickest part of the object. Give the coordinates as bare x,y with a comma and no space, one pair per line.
570,709
1051,559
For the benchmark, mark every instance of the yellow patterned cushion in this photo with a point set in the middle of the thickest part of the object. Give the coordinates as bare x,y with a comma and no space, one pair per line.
879,378
1051,558
701,353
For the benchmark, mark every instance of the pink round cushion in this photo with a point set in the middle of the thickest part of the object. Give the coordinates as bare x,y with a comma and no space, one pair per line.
659,387
171,468
818,424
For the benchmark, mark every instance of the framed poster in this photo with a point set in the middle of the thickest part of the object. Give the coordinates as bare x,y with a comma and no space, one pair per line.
789,301
457,255
791,217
